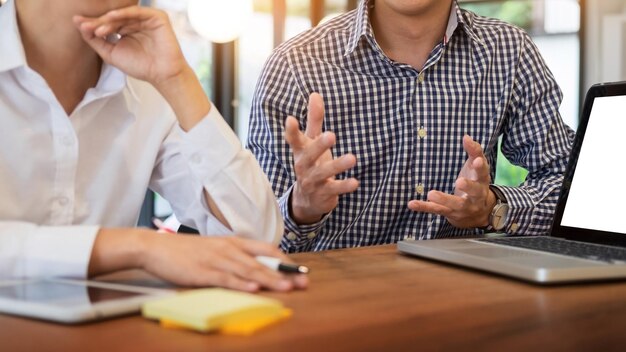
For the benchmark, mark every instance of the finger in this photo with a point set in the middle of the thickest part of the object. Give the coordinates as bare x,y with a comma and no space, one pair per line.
224,279
300,281
429,207
481,167
338,187
473,189
447,200
334,167
256,248
314,150
293,136
121,27
256,272
247,268
98,44
315,116
136,13
472,148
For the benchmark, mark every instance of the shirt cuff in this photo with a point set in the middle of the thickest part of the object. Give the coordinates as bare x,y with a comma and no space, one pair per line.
298,235
521,206
210,145
62,251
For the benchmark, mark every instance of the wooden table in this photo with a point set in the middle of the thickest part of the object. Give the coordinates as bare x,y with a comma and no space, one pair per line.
374,299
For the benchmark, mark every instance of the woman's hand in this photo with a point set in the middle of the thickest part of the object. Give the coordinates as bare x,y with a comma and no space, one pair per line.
147,49
192,260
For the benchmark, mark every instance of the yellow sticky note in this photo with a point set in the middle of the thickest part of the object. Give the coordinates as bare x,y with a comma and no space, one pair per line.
250,326
215,308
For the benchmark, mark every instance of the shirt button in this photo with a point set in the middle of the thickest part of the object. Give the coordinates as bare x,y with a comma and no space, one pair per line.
514,227
421,132
419,189
291,236
408,237
63,201
311,235
421,77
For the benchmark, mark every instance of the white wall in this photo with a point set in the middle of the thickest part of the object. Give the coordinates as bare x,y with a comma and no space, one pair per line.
605,49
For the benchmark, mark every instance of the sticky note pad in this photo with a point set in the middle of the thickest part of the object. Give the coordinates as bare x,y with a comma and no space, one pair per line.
228,311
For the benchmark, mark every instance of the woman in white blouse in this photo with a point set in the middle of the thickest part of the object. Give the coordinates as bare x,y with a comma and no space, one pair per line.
97,103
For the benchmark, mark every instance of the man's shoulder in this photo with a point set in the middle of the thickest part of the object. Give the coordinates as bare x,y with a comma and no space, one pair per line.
492,30
332,35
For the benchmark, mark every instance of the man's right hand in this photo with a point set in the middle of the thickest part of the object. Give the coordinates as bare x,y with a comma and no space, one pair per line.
317,190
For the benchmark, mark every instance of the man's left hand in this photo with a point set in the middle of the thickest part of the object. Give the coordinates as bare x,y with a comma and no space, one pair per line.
472,201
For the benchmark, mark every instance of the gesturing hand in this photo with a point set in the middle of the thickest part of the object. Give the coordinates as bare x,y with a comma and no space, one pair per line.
147,50
317,190
472,201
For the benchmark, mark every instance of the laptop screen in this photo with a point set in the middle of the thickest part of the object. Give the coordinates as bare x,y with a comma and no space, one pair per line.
590,206
598,189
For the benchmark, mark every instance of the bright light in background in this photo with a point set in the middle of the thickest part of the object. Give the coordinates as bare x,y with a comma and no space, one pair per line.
220,21
329,17
562,16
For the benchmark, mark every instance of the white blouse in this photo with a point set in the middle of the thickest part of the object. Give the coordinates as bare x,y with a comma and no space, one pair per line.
62,177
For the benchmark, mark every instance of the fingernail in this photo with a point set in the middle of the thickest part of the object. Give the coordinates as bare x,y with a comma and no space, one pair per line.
284,285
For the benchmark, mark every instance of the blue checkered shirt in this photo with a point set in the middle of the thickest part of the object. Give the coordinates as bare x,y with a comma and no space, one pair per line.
485,78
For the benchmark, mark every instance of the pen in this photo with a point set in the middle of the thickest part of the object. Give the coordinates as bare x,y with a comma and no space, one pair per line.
276,264
160,225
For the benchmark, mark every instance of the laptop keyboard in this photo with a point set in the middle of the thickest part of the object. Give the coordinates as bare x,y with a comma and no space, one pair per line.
564,247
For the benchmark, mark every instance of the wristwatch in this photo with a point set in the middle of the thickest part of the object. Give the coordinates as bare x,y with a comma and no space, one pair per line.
500,212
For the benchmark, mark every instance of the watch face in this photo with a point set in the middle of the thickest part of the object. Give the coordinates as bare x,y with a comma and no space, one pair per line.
498,216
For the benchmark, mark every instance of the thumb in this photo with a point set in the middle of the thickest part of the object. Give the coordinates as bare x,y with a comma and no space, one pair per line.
472,148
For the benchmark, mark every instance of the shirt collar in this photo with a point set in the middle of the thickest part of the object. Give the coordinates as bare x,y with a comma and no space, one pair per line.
10,41
362,27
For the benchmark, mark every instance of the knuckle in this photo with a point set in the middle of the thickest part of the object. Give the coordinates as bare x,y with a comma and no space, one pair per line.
306,184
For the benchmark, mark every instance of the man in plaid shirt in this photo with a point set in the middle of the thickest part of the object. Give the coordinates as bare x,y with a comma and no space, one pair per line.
401,139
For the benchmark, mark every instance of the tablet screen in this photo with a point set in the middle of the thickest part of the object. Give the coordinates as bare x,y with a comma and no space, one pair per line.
62,294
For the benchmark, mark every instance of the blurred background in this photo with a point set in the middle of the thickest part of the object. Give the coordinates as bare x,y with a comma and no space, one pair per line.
227,43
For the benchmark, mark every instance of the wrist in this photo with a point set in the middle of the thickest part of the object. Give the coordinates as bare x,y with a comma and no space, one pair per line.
140,243
500,212
490,204
299,214
186,97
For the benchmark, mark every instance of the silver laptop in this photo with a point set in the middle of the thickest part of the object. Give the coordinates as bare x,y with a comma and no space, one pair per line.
588,236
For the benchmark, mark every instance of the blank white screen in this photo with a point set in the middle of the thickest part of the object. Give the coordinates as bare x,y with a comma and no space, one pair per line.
597,193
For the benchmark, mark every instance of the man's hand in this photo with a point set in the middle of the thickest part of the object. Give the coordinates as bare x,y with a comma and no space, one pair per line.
472,201
317,190
192,260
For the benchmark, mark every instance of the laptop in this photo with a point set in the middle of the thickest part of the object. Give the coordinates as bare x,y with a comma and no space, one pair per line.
587,239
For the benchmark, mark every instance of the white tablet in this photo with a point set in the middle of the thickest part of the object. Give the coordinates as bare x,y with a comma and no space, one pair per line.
73,301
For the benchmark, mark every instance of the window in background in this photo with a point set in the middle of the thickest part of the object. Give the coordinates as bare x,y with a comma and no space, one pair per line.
256,44
554,25
196,49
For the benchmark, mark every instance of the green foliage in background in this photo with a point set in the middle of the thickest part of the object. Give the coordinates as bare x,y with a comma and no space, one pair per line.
508,174
203,71
517,12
